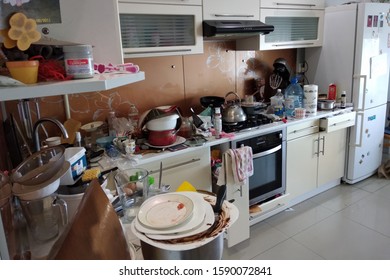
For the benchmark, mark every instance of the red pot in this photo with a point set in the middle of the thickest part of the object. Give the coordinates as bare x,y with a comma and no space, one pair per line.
162,138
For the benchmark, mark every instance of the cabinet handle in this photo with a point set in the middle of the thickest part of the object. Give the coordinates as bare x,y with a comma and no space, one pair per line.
292,45
306,128
162,51
233,15
292,4
317,153
323,145
175,165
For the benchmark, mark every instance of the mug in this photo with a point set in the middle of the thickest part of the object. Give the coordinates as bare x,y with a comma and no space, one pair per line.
52,141
299,113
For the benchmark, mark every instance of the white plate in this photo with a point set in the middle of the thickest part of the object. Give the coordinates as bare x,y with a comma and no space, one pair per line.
205,225
89,127
179,140
197,217
165,211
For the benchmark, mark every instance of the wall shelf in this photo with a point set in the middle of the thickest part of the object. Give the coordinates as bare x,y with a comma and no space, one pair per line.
99,82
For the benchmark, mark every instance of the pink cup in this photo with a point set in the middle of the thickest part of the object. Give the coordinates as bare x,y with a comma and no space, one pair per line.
299,113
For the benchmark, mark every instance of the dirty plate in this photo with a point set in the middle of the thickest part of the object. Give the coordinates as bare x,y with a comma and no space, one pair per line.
165,211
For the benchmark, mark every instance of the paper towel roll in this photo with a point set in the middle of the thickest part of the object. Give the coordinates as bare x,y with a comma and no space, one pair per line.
310,99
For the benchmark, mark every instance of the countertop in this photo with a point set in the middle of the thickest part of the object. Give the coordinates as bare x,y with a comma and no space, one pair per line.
128,162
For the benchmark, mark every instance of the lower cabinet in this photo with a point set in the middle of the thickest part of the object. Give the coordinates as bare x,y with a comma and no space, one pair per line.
192,166
316,159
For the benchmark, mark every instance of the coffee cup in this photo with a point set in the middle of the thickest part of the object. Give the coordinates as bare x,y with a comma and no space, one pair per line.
299,113
52,141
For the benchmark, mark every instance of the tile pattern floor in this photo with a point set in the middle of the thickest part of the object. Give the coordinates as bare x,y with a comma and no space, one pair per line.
347,222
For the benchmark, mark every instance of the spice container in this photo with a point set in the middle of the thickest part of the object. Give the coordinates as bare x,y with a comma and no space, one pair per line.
78,61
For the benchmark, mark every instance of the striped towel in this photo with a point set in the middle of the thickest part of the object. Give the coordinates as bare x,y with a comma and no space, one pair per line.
241,165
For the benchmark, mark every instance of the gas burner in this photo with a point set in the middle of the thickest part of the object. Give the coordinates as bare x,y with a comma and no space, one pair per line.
252,122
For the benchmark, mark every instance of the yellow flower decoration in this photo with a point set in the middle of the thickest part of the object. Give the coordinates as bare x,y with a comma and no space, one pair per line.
7,41
23,31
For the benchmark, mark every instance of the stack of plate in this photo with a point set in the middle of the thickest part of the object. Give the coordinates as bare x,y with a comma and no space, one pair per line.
174,215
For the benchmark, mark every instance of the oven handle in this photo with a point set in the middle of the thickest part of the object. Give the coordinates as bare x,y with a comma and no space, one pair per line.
268,152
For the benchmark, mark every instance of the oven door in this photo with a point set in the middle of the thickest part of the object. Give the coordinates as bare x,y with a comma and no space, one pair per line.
268,179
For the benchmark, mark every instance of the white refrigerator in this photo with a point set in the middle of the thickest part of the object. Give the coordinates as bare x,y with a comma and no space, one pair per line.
355,56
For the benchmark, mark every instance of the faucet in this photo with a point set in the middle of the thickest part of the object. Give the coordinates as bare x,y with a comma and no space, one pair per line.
39,122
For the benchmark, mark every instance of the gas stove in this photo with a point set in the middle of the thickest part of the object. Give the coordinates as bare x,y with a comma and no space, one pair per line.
252,122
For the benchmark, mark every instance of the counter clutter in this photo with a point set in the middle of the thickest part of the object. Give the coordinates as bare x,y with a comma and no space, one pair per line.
172,153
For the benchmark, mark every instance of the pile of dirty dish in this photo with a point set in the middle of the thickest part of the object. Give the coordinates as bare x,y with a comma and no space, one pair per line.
183,225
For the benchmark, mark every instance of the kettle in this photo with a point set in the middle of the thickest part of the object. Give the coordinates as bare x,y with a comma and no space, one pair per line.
233,112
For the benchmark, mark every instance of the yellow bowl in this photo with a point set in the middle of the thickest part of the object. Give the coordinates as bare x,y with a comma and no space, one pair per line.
24,71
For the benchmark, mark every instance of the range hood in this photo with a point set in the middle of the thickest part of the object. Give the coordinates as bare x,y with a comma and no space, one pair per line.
235,28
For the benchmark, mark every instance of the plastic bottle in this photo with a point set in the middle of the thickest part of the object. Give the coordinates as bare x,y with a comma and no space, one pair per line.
110,120
295,91
77,141
343,100
277,101
217,122
133,117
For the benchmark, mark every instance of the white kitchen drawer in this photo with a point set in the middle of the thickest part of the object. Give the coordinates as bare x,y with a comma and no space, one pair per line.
270,208
193,167
338,122
176,2
302,129
293,4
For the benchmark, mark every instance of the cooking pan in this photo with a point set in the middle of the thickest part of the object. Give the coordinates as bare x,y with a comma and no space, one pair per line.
212,101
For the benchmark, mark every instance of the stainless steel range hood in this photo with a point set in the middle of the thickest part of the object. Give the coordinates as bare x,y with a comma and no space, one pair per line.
234,28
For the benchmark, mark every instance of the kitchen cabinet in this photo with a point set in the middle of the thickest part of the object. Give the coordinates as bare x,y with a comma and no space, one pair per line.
293,4
160,28
239,195
230,10
192,166
316,155
297,24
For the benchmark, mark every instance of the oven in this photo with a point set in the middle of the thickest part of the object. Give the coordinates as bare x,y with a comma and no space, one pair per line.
269,165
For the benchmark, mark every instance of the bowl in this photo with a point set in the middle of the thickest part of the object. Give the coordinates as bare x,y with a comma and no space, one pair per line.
104,142
24,71
325,104
40,166
163,123
44,189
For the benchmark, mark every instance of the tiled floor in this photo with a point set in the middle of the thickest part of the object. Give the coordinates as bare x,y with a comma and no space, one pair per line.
346,222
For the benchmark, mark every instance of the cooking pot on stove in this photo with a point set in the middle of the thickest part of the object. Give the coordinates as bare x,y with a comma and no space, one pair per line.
232,112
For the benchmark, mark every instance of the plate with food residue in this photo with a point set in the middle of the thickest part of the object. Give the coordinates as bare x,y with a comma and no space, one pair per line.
165,211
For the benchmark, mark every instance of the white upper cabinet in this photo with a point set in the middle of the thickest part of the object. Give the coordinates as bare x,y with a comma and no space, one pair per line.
181,2
150,29
231,10
293,4
297,24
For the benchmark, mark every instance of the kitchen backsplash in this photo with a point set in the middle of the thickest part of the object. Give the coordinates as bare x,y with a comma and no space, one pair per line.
179,80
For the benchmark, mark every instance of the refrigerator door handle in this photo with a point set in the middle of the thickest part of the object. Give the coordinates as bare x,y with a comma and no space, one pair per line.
360,136
364,77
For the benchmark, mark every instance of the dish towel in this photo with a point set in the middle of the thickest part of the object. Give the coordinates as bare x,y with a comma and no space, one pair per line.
241,165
